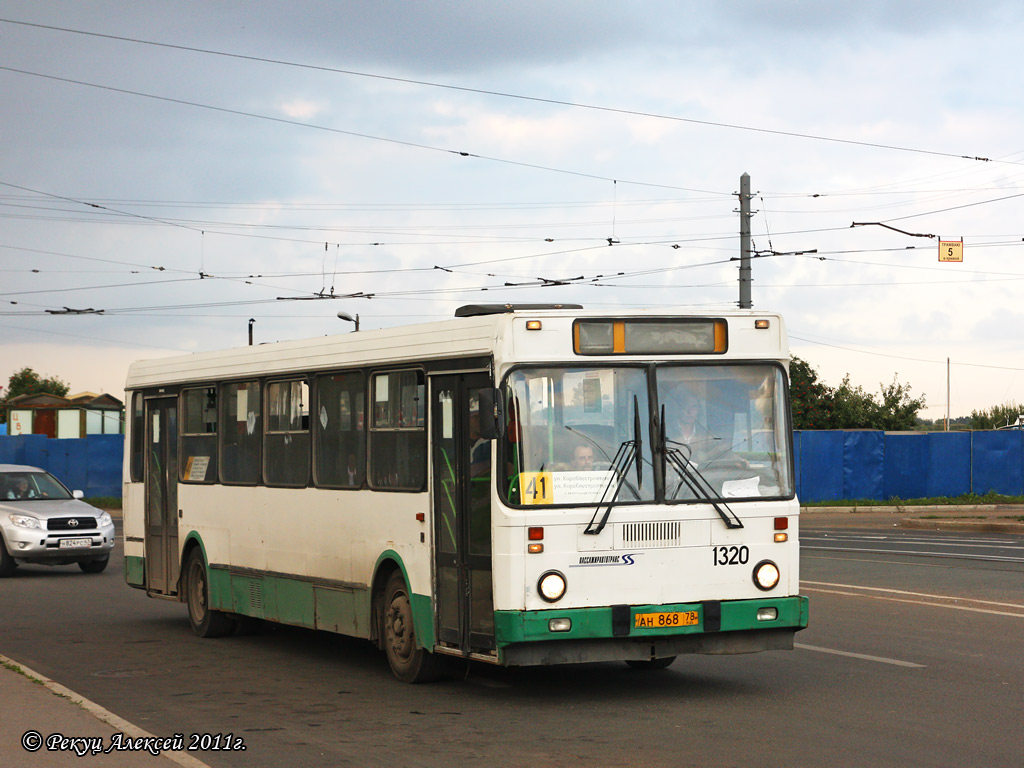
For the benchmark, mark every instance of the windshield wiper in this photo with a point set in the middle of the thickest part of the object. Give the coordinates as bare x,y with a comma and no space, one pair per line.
629,451
691,477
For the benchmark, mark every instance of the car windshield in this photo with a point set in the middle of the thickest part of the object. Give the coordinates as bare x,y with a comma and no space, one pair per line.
31,486
582,435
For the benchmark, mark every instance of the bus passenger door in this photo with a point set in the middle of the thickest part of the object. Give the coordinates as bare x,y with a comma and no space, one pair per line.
161,474
462,514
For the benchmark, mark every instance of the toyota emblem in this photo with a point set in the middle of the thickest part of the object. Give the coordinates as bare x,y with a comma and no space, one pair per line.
72,523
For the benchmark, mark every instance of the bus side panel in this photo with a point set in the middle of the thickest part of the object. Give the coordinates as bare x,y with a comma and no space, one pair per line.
294,601
133,521
344,611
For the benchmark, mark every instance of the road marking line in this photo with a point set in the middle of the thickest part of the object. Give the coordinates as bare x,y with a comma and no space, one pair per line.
973,543
921,553
915,602
912,594
862,656
108,717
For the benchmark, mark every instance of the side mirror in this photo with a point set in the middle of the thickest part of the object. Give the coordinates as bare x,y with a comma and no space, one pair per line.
492,413
78,494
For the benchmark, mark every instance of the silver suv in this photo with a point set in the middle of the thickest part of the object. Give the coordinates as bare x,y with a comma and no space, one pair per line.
43,522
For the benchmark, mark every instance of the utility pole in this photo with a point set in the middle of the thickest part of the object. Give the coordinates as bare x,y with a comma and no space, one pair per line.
745,214
947,394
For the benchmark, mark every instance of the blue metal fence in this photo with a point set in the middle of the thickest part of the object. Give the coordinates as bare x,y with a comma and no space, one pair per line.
868,464
830,464
90,464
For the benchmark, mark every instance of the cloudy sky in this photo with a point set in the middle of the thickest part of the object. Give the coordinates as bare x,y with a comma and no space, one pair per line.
186,166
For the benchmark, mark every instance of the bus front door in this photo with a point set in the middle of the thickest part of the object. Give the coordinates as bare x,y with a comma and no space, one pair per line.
462,514
161,473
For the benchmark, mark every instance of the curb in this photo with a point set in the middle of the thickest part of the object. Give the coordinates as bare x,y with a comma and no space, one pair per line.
977,518
94,709
974,526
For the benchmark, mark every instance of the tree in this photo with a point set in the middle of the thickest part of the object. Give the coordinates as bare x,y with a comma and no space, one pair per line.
996,416
809,397
898,410
818,406
28,382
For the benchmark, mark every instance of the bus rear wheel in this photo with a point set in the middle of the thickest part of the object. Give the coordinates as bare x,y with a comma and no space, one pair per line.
408,662
205,621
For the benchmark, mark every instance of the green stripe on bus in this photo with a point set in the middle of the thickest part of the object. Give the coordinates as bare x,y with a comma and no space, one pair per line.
593,623
135,570
302,603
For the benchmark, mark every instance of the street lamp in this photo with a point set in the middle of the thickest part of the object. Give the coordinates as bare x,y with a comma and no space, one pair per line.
347,316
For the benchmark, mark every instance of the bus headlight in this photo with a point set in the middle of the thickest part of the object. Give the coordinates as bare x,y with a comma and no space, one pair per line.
551,586
766,575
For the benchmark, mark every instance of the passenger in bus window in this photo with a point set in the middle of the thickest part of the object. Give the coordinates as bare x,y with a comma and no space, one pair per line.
583,458
684,430
353,470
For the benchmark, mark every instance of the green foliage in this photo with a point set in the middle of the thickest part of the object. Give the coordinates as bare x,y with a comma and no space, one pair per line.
809,397
818,406
105,502
967,499
28,382
997,416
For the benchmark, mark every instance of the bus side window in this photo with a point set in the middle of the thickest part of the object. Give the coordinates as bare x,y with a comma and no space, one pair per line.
286,458
240,433
398,437
198,460
137,431
341,434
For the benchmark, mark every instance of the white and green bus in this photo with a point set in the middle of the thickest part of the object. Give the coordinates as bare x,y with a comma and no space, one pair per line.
521,485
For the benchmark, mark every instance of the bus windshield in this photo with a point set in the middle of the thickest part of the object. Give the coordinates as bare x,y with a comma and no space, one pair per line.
727,425
575,433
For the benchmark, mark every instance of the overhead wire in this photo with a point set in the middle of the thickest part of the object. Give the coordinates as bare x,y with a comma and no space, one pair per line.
466,154
501,94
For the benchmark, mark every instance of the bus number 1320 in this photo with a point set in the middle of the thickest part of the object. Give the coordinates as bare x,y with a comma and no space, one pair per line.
730,555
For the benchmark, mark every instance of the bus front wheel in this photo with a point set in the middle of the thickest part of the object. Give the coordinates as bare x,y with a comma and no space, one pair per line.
409,663
205,621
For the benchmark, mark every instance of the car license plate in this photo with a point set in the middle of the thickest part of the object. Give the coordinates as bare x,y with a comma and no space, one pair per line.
666,620
75,543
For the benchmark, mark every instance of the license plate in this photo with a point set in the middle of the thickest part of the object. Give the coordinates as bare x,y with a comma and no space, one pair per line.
666,620
75,543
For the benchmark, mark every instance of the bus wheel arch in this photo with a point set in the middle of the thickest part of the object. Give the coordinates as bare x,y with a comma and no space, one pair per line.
385,568
394,626
195,591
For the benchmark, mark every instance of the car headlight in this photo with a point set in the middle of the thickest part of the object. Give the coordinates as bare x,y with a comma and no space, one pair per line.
105,519
551,586
766,575
25,521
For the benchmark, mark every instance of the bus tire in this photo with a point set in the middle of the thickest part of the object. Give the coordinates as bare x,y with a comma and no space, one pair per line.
651,663
409,663
205,621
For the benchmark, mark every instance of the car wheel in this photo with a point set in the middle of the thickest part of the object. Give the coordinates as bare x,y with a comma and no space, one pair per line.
205,621
94,566
7,564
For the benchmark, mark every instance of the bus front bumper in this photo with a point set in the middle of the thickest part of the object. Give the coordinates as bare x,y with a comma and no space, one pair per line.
645,632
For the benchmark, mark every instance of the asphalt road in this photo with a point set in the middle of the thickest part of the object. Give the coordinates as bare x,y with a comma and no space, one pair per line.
914,657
